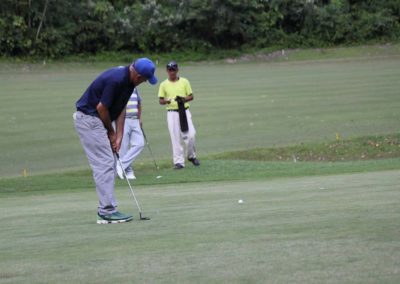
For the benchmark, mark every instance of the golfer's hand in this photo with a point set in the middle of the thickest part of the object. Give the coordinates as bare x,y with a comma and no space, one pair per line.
113,141
118,143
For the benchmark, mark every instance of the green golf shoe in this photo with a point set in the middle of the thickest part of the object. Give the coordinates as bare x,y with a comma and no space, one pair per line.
113,218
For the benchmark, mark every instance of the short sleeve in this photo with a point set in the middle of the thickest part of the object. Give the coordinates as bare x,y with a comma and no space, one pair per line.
108,94
188,88
161,91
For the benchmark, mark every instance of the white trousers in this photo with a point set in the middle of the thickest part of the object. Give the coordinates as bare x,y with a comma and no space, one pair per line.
132,142
180,140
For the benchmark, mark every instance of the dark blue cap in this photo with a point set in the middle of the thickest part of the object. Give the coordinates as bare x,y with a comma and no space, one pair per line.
172,65
146,68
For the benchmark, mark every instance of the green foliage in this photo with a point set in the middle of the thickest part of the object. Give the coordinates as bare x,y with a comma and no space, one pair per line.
57,28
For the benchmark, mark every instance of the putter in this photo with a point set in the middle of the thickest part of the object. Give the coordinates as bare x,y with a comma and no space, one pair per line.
151,153
141,217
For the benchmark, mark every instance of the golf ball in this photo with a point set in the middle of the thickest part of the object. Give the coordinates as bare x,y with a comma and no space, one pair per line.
240,201
159,177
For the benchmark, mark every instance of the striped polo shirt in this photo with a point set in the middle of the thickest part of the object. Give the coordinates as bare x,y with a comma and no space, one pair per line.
132,110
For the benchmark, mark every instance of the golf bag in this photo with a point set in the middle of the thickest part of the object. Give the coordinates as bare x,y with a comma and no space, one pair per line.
182,114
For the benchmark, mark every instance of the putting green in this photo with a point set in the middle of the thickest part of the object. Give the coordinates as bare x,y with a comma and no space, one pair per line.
323,229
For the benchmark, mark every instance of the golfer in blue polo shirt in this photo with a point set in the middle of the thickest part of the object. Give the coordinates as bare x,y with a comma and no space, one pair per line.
103,102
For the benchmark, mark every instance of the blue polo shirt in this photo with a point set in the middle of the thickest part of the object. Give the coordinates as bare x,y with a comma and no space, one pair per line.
112,88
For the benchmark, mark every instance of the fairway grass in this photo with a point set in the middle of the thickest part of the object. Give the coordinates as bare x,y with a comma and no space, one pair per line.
237,107
310,144
322,229
211,170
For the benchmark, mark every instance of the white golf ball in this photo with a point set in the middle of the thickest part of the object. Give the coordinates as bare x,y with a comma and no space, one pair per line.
158,177
240,201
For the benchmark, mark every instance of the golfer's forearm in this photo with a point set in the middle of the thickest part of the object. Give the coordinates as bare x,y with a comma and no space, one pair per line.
189,98
163,101
120,124
105,117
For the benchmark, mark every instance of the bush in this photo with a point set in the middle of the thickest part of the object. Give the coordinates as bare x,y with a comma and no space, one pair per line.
151,26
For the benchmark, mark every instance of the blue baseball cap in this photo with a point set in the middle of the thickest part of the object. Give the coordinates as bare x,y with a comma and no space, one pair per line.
146,68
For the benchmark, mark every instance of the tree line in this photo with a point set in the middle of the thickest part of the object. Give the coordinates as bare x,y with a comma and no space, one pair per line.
57,28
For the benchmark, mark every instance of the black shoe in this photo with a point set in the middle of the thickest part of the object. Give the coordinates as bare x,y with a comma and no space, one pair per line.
178,166
194,161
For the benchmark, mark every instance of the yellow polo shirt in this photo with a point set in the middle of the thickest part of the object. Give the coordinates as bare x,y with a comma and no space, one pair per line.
170,90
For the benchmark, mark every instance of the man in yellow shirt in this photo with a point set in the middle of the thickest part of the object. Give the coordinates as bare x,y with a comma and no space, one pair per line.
175,92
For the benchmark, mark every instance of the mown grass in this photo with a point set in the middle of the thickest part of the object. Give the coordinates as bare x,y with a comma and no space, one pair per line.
236,107
362,148
372,153
270,54
314,211
320,229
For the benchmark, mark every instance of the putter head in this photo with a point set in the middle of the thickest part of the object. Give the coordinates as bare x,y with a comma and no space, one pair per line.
143,218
